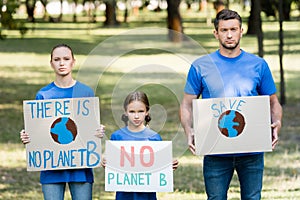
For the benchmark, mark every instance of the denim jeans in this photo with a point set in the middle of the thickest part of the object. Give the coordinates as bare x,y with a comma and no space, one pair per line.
56,191
218,172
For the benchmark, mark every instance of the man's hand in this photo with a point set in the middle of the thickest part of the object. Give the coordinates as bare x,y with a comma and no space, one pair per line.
275,130
191,142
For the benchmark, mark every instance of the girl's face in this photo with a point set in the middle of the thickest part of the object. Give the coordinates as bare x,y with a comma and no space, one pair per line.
136,112
62,61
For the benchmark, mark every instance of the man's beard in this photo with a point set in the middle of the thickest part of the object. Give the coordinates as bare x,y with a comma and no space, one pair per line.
230,47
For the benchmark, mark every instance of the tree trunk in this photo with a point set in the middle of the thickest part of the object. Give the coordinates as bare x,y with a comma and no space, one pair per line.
286,10
46,15
30,6
219,5
75,14
126,12
61,11
255,25
282,82
174,21
110,13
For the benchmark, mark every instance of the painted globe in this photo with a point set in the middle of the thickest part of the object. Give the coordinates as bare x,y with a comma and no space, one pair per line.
231,123
63,130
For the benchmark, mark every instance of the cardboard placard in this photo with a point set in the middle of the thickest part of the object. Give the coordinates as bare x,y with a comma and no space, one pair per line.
139,166
62,133
232,125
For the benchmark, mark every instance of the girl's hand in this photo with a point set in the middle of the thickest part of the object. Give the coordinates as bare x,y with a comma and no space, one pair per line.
175,164
100,132
24,137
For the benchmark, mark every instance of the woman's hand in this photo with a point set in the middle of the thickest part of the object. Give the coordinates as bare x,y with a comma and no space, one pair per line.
24,137
103,162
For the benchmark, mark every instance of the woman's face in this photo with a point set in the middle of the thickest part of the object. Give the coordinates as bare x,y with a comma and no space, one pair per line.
62,61
136,112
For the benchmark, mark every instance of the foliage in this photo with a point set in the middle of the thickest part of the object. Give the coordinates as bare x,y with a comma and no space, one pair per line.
8,8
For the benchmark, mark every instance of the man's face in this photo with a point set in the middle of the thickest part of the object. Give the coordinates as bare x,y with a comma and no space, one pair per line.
229,33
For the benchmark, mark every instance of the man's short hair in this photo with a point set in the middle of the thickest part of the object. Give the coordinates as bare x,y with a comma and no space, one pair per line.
226,14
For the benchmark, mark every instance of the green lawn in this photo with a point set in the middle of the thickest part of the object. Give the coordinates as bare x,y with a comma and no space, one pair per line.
134,62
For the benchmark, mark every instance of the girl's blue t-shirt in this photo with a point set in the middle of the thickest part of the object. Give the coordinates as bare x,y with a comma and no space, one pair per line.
145,135
51,91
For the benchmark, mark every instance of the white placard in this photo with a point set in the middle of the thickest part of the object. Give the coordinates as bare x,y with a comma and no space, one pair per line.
232,125
139,166
62,133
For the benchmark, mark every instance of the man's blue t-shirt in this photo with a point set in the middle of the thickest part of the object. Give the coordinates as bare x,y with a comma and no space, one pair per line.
145,135
51,91
215,76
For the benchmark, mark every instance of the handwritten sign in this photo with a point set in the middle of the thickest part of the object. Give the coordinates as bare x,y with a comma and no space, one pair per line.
232,125
62,133
139,166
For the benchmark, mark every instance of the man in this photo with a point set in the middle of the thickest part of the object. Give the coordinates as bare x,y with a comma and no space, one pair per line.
230,72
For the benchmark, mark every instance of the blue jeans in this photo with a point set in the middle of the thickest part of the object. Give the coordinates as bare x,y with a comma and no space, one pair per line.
56,191
218,172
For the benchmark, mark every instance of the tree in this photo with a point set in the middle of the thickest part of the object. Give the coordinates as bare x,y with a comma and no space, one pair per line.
271,8
6,14
44,3
92,7
282,82
61,11
219,5
255,25
75,15
110,13
30,6
174,21
8,8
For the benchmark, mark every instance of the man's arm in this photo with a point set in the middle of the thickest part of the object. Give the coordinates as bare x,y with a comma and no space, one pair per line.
186,118
276,115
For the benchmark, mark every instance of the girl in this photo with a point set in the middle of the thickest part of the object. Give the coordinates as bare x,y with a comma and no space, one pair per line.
80,181
136,119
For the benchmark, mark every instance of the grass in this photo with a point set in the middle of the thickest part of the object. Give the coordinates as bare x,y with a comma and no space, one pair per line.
24,68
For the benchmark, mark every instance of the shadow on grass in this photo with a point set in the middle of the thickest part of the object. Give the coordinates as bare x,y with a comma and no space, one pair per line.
14,45
16,183
84,37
